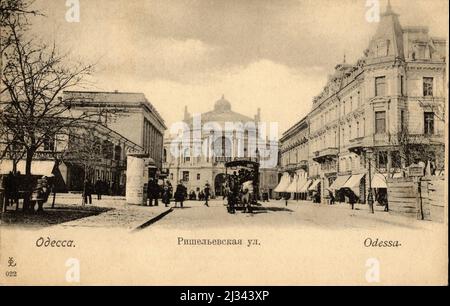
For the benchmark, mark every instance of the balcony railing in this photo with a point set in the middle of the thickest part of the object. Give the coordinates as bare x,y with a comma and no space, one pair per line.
303,164
325,154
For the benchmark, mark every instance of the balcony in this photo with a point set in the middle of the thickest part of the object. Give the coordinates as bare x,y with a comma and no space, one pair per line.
326,154
357,145
303,164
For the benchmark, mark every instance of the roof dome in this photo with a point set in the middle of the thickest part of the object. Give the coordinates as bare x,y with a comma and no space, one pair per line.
222,105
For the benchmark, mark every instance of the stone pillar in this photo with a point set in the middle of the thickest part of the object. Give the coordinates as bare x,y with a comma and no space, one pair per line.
137,178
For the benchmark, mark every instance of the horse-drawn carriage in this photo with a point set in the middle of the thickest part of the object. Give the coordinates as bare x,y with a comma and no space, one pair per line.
242,184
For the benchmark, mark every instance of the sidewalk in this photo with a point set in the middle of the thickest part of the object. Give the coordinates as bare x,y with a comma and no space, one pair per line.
360,211
121,214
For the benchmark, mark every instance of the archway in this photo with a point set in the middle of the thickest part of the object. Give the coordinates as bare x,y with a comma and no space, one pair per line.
218,184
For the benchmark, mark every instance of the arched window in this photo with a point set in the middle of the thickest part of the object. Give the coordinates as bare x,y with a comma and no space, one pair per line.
187,155
222,147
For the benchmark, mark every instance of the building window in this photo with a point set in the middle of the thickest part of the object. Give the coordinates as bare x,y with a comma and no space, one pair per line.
402,121
171,176
187,157
357,129
198,176
428,123
380,86
382,160
380,122
49,143
186,176
396,160
402,85
427,87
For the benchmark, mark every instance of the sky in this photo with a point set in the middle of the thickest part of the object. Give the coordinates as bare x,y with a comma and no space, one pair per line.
274,54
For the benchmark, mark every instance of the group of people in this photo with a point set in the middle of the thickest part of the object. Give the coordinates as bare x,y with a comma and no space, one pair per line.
239,188
34,192
10,185
164,192
100,187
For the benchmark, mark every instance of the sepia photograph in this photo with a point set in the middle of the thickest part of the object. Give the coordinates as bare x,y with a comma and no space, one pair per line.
224,143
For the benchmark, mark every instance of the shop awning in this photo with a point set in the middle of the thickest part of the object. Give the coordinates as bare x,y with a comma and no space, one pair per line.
378,181
339,182
314,185
301,182
293,185
284,183
354,182
38,167
305,186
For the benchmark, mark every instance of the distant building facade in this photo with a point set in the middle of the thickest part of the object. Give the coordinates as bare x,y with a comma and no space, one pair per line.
219,141
387,110
136,118
53,158
127,123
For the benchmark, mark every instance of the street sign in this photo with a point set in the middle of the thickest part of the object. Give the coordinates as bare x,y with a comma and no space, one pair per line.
415,170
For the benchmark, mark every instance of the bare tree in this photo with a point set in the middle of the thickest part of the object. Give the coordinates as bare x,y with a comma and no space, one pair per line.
33,79
85,148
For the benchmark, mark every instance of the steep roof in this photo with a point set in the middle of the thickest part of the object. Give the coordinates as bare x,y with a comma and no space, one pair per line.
389,29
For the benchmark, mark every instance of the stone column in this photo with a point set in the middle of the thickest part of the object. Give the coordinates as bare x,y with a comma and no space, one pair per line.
137,178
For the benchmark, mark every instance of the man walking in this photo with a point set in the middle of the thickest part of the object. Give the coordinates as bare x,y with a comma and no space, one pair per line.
180,194
87,192
98,188
207,192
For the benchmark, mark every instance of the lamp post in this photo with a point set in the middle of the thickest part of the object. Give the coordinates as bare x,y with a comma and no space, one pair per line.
369,152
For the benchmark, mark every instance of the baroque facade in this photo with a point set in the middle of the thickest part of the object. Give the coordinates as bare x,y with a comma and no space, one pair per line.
381,114
219,136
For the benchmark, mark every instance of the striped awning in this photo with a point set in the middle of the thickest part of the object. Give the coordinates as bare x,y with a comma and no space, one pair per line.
354,182
314,185
306,186
339,182
284,183
293,185
378,181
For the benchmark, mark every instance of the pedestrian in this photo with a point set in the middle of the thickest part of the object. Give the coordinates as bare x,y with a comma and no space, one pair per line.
180,194
15,188
207,193
87,192
40,194
153,191
332,199
7,185
98,188
166,195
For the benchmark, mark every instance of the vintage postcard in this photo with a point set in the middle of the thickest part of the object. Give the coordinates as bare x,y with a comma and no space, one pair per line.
224,142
